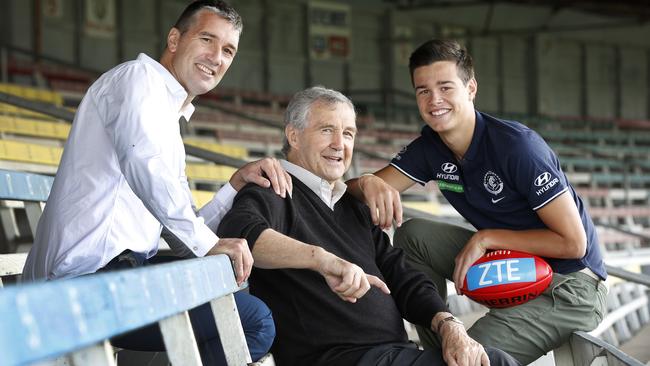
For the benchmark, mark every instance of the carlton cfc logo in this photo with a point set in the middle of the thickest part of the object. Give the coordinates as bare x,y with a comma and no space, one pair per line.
492,183
542,179
449,168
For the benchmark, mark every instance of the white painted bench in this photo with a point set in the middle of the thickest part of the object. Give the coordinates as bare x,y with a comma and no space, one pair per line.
28,190
11,265
20,190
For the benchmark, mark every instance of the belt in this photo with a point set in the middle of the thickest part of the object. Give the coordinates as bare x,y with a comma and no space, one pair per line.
589,273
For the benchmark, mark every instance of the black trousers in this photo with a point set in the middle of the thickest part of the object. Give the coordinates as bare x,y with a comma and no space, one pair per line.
407,354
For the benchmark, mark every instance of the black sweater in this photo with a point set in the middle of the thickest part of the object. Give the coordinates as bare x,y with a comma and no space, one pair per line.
314,326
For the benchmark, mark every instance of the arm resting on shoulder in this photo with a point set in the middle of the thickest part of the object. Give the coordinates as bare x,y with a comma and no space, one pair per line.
381,192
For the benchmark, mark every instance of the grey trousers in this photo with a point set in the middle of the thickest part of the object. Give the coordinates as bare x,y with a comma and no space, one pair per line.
572,302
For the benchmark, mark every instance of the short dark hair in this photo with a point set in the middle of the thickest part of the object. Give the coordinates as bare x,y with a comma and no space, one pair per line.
443,50
218,6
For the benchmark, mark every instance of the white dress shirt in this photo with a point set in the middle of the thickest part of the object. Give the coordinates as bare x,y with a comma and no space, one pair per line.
323,189
122,177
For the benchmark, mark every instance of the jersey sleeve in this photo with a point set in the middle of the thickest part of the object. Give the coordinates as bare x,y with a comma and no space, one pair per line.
539,176
411,161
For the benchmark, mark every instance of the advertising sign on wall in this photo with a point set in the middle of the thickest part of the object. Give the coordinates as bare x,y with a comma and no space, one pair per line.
52,9
100,18
329,31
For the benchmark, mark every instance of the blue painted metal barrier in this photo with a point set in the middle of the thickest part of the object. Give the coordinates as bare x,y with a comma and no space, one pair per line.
48,319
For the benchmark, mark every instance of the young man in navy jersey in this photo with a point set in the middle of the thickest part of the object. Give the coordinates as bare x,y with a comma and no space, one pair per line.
506,181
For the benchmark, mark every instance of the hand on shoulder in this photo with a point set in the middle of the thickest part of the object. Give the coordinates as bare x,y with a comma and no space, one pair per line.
384,200
265,172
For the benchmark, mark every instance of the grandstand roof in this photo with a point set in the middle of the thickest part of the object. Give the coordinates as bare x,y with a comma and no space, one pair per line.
638,10
621,19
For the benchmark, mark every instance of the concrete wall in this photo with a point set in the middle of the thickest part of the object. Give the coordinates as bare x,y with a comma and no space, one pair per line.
20,26
286,46
601,83
515,79
59,32
368,51
635,91
486,69
141,34
559,77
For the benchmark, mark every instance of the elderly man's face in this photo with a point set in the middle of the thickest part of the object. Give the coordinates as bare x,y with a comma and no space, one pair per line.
325,146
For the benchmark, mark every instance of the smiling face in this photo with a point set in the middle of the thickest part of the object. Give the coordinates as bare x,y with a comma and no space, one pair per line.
199,57
324,146
444,101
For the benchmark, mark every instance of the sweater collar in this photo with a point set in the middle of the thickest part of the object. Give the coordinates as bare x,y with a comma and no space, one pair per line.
317,184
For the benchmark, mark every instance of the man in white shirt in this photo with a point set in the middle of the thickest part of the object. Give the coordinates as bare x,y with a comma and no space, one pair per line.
122,175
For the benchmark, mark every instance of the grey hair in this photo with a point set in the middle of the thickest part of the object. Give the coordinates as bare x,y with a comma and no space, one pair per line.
297,114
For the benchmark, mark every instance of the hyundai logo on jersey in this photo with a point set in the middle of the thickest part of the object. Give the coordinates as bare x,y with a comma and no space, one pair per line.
543,179
449,168
545,183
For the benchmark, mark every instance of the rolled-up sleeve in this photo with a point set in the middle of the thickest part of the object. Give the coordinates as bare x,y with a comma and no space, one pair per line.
214,211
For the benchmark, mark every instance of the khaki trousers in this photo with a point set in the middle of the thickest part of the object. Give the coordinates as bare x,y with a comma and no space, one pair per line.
572,302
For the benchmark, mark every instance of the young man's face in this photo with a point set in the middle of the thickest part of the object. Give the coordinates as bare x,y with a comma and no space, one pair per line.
325,146
443,99
203,54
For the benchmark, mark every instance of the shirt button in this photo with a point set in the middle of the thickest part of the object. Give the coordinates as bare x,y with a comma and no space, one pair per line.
195,248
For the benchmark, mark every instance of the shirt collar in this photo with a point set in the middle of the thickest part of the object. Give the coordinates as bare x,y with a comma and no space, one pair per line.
317,184
176,90
473,149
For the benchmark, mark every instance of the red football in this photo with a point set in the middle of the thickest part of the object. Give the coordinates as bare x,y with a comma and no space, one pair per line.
505,278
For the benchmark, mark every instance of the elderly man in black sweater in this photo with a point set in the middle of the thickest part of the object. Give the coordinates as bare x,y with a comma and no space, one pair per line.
337,288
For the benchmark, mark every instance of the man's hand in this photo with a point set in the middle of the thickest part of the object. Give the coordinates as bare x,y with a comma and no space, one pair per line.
266,172
472,251
384,200
347,280
458,349
240,256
